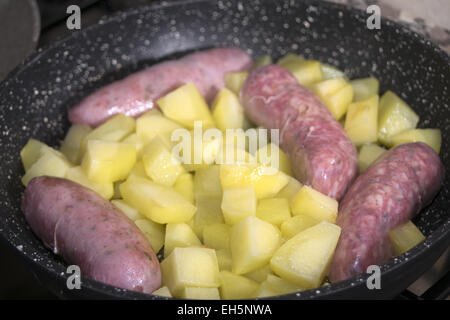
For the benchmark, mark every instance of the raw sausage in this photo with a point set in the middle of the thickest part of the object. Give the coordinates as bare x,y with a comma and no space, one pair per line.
138,92
88,231
390,192
321,154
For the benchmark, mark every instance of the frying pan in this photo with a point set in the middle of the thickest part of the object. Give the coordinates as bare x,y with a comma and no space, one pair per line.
35,97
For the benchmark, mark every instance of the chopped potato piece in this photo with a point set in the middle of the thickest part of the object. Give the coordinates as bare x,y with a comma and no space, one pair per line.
290,190
331,72
76,174
259,275
152,124
262,61
179,235
405,237
267,155
32,151
186,105
368,154
71,146
190,267
288,58
139,171
185,186
275,286
224,259
305,258
158,203
154,232
235,287
136,142
163,292
252,244
208,212
294,225
394,116
311,202
207,182
235,80
431,137
227,110
200,293
364,88
305,71
106,161
129,211
217,236
203,149
273,210
361,122
336,94
238,203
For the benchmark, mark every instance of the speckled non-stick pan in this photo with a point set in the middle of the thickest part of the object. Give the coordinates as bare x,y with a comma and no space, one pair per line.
35,98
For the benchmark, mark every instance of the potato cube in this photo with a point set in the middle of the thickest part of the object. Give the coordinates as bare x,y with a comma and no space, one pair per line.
305,71
227,110
71,146
311,202
158,203
235,80
200,293
238,203
368,154
290,190
207,182
217,236
199,151
129,211
139,171
295,225
190,267
186,105
224,259
208,212
336,94
405,237
331,72
76,174
361,121
234,287
154,232
185,186
163,292
32,151
106,161
289,57
50,163
394,116
273,210
275,286
152,124
305,258
272,155
252,244
262,61
364,88
431,137
134,140
179,235
259,275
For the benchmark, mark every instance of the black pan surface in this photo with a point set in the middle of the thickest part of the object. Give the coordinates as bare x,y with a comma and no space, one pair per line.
35,98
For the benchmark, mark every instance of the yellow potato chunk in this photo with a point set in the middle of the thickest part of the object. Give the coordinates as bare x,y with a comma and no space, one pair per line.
224,259
252,244
162,292
275,286
431,137
336,94
106,161
208,212
394,116
368,154
71,146
227,110
185,186
32,151
405,237
361,122
235,287
160,164
290,190
134,140
311,202
259,275
238,203
199,151
331,72
129,211
158,203
272,155
235,80
305,71
154,232
152,124
190,267
179,235
207,182
364,88
139,170
200,293
273,210
186,105
262,61
76,174
305,258
217,236
295,225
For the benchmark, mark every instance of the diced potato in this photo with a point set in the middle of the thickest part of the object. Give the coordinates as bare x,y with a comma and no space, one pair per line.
331,72
252,244
224,259
160,164
32,151
190,267
290,190
139,170
361,122
305,71
235,80
207,182
273,210
262,61
154,232
431,137
368,154
311,202
152,124
186,105
227,110
305,258
259,275
289,57
234,155
336,94
208,212
50,163
394,116
106,161
235,287
272,155
179,235
158,203
200,293
267,181
203,150
129,211
364,88
295,225
136,142
217,236
405,237
163,292
71,146
76,174
275,286
185,186
238,203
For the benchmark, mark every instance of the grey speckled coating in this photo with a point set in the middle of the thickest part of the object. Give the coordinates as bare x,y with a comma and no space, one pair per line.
34,100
